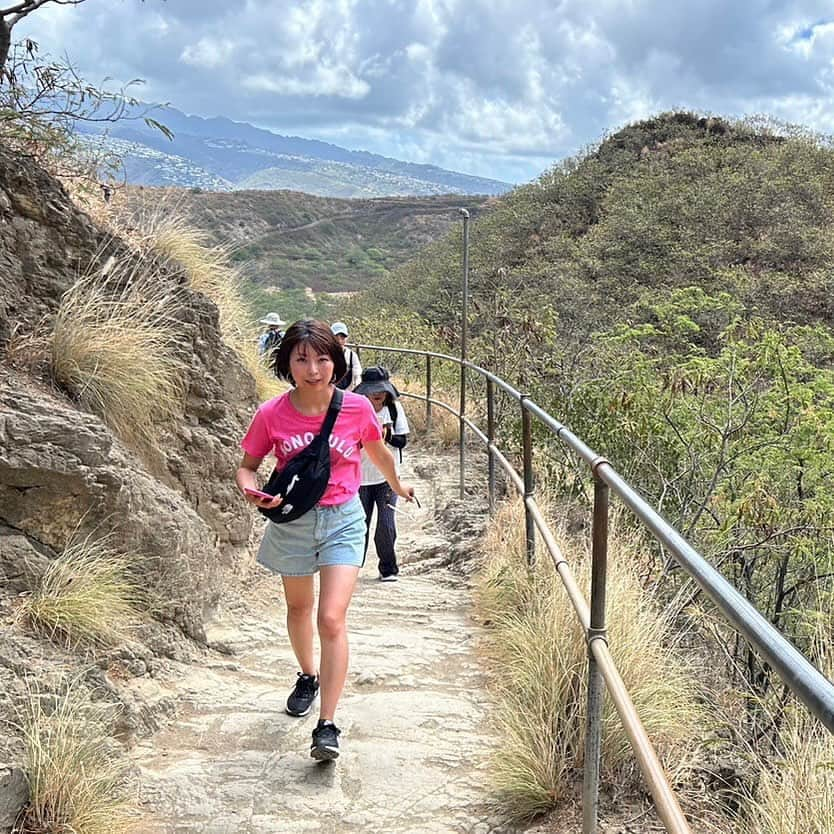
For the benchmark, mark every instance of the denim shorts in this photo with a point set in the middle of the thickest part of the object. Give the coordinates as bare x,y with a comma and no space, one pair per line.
322,537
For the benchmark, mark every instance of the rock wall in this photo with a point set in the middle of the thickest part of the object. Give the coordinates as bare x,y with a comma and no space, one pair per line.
173,509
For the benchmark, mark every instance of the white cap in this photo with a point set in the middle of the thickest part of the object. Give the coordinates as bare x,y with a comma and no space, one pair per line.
339,328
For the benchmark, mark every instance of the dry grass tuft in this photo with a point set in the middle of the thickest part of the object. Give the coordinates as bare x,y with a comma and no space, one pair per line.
537,653
78,781
445,428
85,598
796,793
209,269
160,231
113,348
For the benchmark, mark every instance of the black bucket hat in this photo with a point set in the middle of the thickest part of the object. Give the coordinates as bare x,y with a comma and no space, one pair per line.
375,380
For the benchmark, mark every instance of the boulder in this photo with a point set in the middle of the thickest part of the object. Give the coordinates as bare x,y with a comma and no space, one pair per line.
21,564
14,793
63,476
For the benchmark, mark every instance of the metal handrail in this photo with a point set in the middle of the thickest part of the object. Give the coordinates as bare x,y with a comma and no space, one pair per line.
801,677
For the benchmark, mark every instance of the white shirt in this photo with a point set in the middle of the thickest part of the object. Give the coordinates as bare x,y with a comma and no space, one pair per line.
370,474
356,370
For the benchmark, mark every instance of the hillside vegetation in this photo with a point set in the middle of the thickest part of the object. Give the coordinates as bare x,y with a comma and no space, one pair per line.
668,295
285,240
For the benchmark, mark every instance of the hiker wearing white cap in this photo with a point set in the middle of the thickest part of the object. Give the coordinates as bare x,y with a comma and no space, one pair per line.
270,340
353,375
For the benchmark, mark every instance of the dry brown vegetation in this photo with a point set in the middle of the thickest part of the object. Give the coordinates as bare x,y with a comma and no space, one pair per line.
536,651
78,780
210,271
113,347
85,599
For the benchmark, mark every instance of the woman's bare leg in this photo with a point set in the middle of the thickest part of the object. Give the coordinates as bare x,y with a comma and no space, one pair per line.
298,591
335,590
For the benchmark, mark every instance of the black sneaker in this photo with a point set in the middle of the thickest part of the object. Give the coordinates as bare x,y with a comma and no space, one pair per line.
302,697
325,746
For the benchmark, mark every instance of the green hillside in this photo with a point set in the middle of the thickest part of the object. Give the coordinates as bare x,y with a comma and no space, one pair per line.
670,202
668,295
289,240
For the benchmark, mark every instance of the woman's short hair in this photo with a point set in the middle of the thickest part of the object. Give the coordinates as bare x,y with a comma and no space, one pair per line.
319,338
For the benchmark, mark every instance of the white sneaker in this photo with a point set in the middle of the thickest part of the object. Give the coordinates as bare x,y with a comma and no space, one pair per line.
392,577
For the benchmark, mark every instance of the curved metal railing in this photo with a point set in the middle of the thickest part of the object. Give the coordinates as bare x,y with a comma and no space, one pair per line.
801,677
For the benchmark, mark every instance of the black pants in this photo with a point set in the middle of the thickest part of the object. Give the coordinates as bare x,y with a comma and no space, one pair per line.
385,536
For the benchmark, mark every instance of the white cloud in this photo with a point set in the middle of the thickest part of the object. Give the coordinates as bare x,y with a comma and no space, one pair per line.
208,53
326,81
495,87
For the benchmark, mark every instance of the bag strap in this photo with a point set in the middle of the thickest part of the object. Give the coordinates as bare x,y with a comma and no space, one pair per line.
332,413
392,413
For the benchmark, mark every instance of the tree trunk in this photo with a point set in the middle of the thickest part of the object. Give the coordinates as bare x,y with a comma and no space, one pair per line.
5,44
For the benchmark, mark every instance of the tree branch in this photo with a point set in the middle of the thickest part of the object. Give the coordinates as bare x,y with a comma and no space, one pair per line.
25,7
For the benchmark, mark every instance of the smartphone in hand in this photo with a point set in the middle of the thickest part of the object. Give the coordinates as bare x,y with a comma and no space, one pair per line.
264,496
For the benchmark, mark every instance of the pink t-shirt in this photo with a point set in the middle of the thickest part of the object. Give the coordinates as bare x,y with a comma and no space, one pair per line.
280,428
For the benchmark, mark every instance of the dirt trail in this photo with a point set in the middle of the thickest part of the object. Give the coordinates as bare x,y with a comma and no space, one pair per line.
413,715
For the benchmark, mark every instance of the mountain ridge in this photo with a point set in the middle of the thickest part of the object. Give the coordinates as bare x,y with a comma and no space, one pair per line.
210,152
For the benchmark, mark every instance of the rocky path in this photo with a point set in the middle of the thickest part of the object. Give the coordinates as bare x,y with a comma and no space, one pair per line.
413,715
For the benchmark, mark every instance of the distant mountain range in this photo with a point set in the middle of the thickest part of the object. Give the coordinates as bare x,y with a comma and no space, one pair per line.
221,155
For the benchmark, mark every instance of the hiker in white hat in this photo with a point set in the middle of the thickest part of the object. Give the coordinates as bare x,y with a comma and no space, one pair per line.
270,340
353,375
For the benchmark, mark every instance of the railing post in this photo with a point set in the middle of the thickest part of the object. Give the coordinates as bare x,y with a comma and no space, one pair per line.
596,685
527,452
490,392
462,439
464,354
428,394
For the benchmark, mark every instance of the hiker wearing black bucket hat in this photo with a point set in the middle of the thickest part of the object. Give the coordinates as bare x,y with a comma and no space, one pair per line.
376,385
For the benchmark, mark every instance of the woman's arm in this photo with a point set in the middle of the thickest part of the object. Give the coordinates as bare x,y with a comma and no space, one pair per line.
245,479
383,460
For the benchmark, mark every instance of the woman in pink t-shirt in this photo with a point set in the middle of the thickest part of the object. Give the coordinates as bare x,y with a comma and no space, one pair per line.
330,538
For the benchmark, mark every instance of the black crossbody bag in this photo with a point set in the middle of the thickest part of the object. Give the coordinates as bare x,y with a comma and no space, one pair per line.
303,480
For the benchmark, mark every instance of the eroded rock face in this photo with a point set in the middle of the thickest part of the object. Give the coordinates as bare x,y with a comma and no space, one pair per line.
14,790
64,475
45,243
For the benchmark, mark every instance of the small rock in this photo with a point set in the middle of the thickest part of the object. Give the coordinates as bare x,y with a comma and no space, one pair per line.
14,793
136,667
366,679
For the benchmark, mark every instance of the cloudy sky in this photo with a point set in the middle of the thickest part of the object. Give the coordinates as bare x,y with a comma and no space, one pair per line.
498,88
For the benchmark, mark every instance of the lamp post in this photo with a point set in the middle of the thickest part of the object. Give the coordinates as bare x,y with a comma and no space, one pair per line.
463,347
